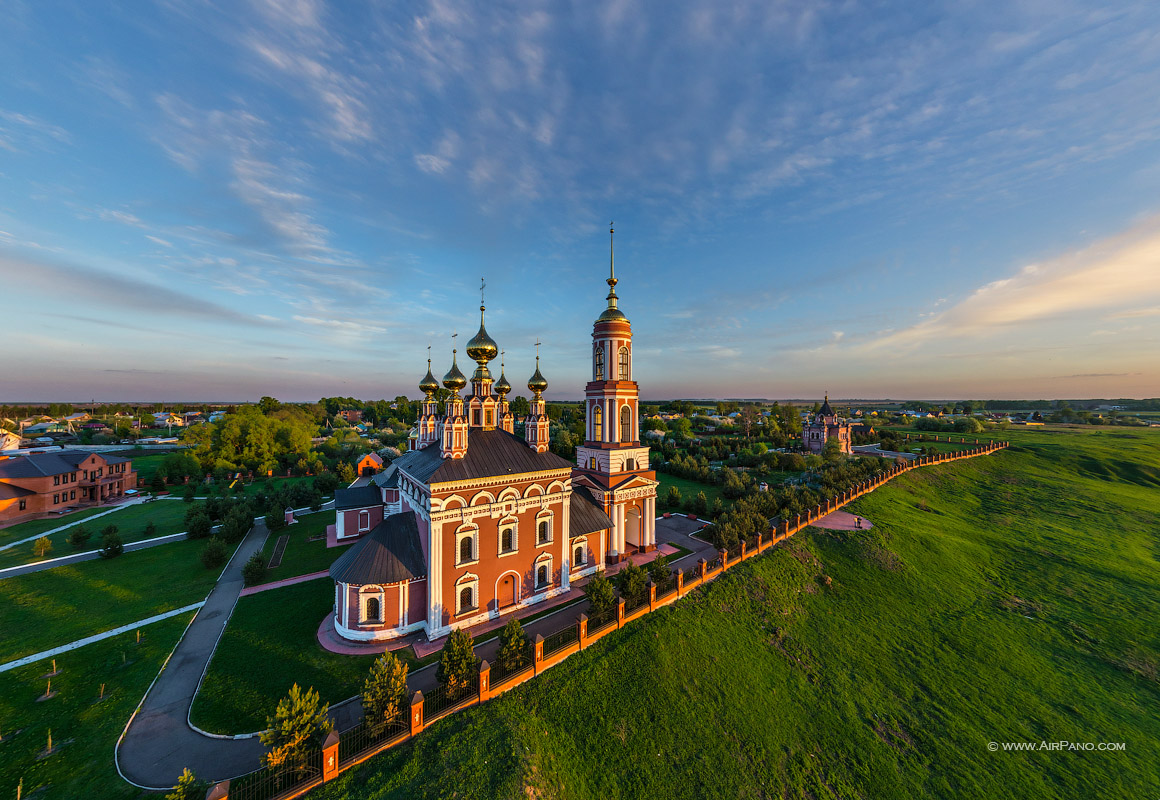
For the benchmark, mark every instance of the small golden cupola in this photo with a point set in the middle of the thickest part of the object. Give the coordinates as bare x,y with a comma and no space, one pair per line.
454,428
536,425
454,380
428,423
502,408
428,386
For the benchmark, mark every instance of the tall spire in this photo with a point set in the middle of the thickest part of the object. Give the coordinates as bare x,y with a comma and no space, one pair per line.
612,312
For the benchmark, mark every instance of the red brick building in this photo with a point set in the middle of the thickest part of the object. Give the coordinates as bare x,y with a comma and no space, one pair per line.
475,521
351,415
824,426
35,485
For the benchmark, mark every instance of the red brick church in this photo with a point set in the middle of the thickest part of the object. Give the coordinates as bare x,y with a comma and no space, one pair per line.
826,425
474,521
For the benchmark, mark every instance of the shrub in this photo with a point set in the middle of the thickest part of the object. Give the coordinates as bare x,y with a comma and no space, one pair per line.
385,691
300,721
150,530
79,537
42,547
513,646
275,520
254,572
214,555
457,664
188,496
111,544
659,570
600,593
673,497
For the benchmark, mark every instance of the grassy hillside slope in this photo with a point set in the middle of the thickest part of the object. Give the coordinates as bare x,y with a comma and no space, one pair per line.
1005,599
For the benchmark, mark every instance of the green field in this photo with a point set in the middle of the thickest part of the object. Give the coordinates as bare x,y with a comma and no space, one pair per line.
15,533
84,729
60,605
303,556
1009,598
269,645
167,515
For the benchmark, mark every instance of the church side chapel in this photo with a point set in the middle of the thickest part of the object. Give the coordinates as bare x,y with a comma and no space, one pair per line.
474,521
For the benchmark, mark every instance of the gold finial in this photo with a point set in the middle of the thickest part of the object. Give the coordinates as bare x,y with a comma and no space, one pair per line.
611,261
482,286
611,313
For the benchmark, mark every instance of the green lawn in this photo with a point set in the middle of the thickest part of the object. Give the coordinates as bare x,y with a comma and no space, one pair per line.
687,488
60,605
1009,598
25,529
303,556
167,515
270,644
83,729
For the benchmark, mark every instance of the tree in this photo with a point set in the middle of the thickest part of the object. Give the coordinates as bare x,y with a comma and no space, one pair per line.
188,787
79,537
189,494
385,691
254,572
42,546
199,525
111,544
513,646
832,451
299,719
346,473
457,664
214,555
520,406
275,520
600,593
632,581
659,570
150,529
673,497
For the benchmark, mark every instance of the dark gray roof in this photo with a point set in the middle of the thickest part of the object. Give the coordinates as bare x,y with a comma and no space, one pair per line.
388,478
489,453
39,465
358,497
585,515
390,553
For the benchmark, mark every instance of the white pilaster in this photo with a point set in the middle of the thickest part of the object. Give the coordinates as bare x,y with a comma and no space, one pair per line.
434,576
566,543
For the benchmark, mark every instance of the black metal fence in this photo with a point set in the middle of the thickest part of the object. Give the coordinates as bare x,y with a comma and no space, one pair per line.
715,563
667,586
502,671
561,639
633,603
269,783
693,573
443,700
599,621
367,736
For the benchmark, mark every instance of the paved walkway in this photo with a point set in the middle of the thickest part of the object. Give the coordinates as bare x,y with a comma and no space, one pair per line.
90,555
64,648
73,524
843,521
265,587
158,742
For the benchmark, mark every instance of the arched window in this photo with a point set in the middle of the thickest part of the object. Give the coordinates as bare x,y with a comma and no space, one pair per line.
465,549
374,610
598,363
597,422
624,363
625,424
543,533
541,576
507,540
578,556
466,600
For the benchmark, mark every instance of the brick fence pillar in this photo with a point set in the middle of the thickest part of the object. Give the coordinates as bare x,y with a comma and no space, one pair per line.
704,568
484,681
416,713
652,595
620,612
538,655
219,791
330,757
724,560
680,575
744,547
582,630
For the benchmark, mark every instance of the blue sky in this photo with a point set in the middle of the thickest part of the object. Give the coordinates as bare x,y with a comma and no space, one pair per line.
219,201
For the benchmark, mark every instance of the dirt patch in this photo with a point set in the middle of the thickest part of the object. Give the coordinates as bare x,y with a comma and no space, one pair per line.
893,735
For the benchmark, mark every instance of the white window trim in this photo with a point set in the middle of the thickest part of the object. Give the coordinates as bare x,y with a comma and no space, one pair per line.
582,543
545,559
549,517
366,593
361,529
467,581
471,533
515,526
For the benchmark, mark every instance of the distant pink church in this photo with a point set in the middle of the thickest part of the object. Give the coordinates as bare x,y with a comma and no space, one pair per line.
826,425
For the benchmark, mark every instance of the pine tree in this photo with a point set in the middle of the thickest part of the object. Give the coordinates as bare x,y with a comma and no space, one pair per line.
600,593
457,664
188,787
300,719
385,691
513,646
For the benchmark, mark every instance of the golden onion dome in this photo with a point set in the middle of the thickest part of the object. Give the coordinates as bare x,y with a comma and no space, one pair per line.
482,348
428,385
612,314
454,380
537,384
502,387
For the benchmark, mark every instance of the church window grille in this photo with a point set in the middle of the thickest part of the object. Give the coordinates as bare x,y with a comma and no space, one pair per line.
580,556
507,539
543,532
466,599
598,364
597,422
624,363
465,550
542,576
374,610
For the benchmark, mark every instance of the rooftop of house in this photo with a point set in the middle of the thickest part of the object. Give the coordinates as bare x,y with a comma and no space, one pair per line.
40,465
